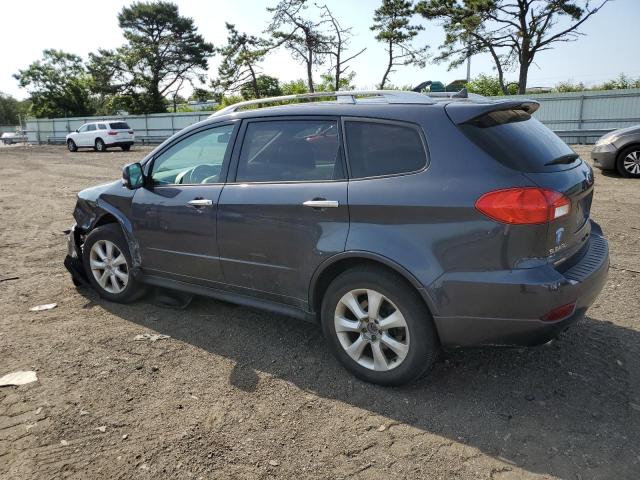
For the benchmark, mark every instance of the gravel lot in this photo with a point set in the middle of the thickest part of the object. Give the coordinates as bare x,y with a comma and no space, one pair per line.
238,393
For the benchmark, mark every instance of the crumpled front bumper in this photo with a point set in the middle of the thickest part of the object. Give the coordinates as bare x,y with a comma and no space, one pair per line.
73,260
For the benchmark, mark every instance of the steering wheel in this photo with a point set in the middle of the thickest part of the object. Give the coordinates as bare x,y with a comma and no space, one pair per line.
198,174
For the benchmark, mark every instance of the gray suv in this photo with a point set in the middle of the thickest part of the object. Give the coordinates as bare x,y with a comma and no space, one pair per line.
402,223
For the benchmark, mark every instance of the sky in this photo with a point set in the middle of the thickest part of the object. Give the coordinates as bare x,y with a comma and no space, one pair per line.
610,46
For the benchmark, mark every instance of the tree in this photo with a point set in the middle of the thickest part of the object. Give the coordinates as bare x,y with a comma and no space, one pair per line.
569,86
338,44
302,36
265,85
511,31
392,22
327,83
163,50
58,85
9,110
241,57
488,86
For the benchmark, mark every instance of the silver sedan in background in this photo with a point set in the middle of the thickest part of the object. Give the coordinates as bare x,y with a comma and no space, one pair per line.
619,150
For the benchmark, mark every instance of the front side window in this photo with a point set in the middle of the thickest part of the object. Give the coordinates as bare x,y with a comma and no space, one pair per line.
83,128
195,159
290,150
375,149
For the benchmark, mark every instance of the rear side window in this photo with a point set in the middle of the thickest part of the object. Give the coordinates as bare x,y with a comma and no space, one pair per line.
102,126
521,142
119,126
376,149
290,150
91,127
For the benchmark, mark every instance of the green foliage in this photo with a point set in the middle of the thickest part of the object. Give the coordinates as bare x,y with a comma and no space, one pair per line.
622,81
327,83
489,86
266,87
9,110
162,51
294,87
58,85
392,21
239,68
569,86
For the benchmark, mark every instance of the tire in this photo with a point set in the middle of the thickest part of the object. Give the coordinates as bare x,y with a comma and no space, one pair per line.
95,251
71,145
125,148
416,343
100,145
628,162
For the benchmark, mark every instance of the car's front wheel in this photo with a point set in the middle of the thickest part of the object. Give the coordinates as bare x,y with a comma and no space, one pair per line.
71,145
628,163
107,262
378,326
100,145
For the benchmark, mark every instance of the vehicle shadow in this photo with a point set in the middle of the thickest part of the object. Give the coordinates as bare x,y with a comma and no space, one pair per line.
562,409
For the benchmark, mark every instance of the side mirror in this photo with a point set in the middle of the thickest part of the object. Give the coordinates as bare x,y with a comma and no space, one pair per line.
132,176
77,130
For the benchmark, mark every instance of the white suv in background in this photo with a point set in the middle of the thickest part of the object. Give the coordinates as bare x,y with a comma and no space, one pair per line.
101,135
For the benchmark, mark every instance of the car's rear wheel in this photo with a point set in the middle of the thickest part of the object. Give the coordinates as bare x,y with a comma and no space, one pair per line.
71,145
628,163
107,262
378,326
126,148
100,145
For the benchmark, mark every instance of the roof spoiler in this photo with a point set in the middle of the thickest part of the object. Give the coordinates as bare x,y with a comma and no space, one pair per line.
467,112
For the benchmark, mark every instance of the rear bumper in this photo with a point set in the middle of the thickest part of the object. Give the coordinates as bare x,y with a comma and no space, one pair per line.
505,307
604,156
125,143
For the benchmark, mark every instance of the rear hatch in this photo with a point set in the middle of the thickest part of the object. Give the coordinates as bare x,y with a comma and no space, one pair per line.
121,131
508,132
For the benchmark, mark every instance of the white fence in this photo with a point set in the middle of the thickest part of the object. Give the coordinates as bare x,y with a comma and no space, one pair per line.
579,117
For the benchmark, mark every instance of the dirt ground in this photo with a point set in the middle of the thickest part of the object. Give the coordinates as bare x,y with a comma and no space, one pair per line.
239,393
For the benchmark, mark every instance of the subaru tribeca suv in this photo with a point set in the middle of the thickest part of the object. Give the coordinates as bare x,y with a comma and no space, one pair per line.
400,222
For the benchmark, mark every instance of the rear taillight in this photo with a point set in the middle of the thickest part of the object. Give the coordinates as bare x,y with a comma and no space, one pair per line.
524,205
111,132
559,313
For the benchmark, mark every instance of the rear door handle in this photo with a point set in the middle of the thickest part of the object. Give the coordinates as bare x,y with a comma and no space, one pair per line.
201,202
321,203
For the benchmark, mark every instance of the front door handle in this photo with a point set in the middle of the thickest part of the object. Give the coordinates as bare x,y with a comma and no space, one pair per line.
321,203
201,202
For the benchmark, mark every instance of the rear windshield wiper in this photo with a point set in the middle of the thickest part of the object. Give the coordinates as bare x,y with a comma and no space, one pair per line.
569,158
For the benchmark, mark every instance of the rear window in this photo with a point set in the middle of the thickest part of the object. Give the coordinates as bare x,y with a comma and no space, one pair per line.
376,149
119,126
516,139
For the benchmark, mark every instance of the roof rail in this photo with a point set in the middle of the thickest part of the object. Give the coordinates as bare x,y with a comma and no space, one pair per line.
343,96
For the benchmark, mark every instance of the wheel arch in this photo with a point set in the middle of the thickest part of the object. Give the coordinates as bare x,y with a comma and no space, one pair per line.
334,266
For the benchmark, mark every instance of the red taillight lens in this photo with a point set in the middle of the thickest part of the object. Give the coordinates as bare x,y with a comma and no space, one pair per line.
111,132
524,205
559,313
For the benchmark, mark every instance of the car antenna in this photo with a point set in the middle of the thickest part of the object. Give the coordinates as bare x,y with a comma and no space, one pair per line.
464,93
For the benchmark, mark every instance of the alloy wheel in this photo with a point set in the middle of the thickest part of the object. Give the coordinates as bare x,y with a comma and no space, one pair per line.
371,329
109,266
631,162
